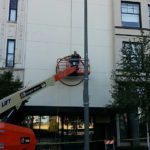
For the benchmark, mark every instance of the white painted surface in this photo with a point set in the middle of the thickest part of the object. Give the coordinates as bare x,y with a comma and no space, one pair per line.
48,38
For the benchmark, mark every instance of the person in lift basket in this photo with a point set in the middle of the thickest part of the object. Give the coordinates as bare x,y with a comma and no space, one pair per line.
75,60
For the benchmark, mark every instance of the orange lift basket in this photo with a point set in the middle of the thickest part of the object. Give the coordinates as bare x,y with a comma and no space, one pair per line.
64,63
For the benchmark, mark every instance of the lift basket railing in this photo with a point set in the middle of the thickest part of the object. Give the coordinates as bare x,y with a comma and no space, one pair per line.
65,63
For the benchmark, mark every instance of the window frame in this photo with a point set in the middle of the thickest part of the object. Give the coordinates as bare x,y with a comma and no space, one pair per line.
7,53
140,20
13,9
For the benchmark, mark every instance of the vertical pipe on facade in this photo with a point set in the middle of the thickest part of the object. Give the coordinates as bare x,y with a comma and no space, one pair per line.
70,27
85,92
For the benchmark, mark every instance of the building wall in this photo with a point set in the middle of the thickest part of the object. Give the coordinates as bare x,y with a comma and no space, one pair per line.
125,34
55,29
16,31
45,31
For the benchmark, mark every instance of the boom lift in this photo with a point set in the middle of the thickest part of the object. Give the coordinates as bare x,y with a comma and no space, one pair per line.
13,137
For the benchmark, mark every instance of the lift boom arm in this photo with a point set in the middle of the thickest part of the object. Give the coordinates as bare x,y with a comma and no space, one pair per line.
16,99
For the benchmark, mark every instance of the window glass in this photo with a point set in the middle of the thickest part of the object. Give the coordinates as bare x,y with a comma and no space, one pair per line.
149,11
10,59
149,15
10,53
12,15
130,8
129,20
130,14
51,128
124,7
11,45
136,8
132,53
124,10
13,10
13,4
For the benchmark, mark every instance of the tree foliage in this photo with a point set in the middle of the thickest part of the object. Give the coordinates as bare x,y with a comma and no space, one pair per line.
8,85
131,78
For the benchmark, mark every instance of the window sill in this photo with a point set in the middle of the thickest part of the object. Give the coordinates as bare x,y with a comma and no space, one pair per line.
11,68
131,28
135,28
12,22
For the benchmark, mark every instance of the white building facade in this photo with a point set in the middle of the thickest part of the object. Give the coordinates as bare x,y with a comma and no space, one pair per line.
54,30
33,37
12,37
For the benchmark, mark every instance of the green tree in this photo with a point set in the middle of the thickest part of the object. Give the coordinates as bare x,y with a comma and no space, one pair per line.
8,85
131,78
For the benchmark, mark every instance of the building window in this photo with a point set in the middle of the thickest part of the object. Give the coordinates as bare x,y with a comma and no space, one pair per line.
13,10
149,14
132,55
10,53
130,13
